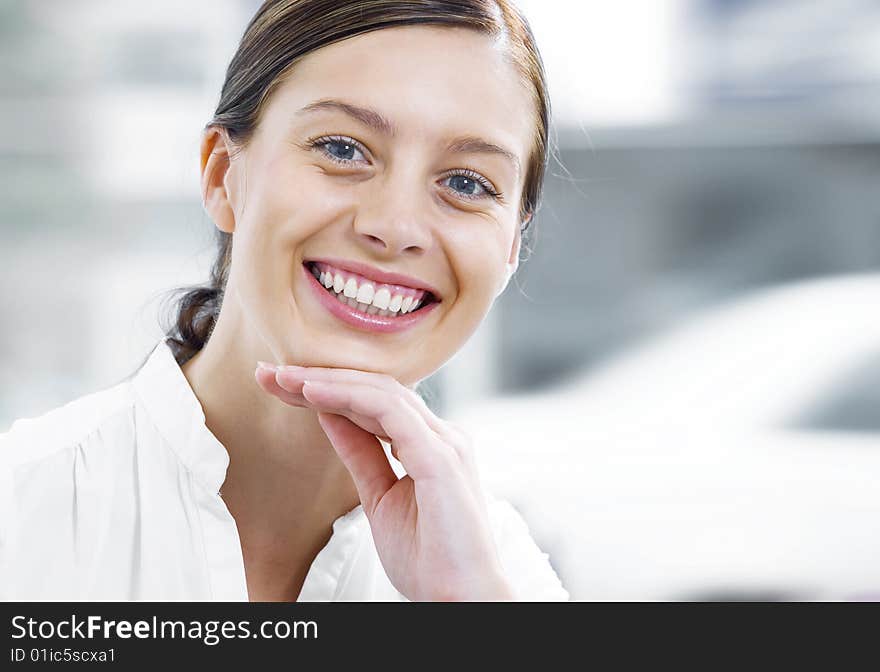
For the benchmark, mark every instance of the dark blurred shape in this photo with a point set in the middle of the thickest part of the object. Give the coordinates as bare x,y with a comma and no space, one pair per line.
852,405
669,221
745,594
755,52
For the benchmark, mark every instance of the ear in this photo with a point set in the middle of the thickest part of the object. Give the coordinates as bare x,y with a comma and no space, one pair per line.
215,151
513,259
512,262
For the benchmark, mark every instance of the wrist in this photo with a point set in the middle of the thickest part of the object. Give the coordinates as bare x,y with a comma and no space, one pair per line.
499,590
491,587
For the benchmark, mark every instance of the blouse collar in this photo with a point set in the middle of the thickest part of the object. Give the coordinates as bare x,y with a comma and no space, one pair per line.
178,415
174,408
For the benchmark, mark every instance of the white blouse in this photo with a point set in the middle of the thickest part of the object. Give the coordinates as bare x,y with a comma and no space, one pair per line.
115,496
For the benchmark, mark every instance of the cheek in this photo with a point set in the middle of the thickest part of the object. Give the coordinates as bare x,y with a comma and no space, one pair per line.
308,202
478,256
293,202
285,186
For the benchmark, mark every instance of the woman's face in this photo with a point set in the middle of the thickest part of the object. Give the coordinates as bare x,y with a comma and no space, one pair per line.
397,183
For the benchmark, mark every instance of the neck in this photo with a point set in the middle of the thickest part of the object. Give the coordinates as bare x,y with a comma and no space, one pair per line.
285,484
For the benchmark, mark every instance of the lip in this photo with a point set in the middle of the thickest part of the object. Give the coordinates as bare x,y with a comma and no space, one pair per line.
372,273
364,321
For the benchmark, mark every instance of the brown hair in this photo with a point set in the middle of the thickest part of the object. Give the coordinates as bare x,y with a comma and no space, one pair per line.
283,31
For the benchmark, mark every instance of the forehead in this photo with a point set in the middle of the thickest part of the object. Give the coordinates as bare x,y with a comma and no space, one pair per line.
430,82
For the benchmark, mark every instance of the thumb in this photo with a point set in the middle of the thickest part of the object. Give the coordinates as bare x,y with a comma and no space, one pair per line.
363,456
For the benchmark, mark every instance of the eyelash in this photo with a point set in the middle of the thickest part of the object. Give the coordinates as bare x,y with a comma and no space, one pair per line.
323,141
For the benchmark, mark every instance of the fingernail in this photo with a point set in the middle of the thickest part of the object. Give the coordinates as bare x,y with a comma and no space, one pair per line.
266,365
290,367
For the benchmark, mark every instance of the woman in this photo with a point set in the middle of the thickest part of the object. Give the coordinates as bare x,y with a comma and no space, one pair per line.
370,168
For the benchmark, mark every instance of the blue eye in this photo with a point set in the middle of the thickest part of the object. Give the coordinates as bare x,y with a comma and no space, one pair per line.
473,186
470,184
344,148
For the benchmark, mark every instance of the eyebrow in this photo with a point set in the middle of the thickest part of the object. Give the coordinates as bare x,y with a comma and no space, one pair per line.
461,145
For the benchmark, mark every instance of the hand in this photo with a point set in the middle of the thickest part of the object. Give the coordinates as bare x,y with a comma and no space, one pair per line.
430,528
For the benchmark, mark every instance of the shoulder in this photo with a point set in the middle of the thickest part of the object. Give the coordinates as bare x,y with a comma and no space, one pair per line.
527,566
66,479
39,438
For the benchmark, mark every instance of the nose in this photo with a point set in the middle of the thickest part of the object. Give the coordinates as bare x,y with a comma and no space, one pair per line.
394,226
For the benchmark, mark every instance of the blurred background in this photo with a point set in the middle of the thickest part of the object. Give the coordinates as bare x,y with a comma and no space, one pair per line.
680,388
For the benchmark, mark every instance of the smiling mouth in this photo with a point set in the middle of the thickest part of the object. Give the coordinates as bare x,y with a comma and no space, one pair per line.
368,296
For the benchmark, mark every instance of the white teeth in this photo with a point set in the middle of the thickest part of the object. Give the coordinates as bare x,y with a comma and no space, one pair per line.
351,288
366,297
365,293
382,298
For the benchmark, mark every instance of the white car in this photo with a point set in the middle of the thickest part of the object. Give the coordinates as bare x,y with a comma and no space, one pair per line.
709,463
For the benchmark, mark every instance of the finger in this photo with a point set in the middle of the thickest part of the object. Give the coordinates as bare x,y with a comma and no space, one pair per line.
363,456
461,441
266,380
418,448
292,378
294,396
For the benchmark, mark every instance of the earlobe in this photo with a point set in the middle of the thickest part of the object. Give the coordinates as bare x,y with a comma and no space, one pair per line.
512,263
215,166
513,259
